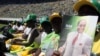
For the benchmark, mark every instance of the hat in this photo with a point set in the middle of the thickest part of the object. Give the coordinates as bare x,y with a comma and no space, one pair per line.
94,3
30,17
55,14
44,19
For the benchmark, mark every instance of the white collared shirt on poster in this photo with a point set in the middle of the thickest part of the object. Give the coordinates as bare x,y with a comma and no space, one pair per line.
82,46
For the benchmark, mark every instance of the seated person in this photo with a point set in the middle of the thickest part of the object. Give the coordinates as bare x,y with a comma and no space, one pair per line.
50,42
19,43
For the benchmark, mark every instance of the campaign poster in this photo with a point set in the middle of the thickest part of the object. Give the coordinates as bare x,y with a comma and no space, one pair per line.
77,35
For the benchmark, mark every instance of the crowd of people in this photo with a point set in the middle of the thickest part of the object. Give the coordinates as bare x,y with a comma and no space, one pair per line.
32,38
28,38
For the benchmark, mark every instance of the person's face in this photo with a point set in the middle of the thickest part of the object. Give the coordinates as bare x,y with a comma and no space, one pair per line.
56,24
87,10
30,23
46,27
81,26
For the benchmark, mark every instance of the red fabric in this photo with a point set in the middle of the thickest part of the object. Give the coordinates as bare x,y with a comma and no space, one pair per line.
75,39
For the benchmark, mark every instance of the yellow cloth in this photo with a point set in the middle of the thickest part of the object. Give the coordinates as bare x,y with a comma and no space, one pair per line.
21,49
16,48
18,35
96,47
8,41
27,49
96,44
23,53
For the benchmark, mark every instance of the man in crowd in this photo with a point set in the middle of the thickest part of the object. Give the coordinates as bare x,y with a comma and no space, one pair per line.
46,30
51,41
77,43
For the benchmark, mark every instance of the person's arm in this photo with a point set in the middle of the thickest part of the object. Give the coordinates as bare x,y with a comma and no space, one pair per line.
33,35
19,31
24,36
55,41
26,33
62,48
87,48
19,40
38,52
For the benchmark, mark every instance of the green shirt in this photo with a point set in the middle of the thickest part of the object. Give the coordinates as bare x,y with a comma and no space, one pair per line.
50,42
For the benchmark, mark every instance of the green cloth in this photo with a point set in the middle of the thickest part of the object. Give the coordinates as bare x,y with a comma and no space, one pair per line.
43,19
12,31
51,41
34,45
30,17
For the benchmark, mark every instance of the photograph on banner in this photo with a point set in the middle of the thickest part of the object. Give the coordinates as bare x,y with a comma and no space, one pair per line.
77,35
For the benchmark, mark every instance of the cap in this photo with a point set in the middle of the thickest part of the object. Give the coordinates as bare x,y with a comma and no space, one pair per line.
44,19
30,17
55,14
94,3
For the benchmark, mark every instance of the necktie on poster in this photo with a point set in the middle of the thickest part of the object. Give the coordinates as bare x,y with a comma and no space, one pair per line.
75,39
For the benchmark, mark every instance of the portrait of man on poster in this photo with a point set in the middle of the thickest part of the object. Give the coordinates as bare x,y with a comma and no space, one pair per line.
77,43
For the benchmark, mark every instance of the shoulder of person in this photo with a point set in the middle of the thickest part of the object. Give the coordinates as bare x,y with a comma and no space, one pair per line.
87,36
35,31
